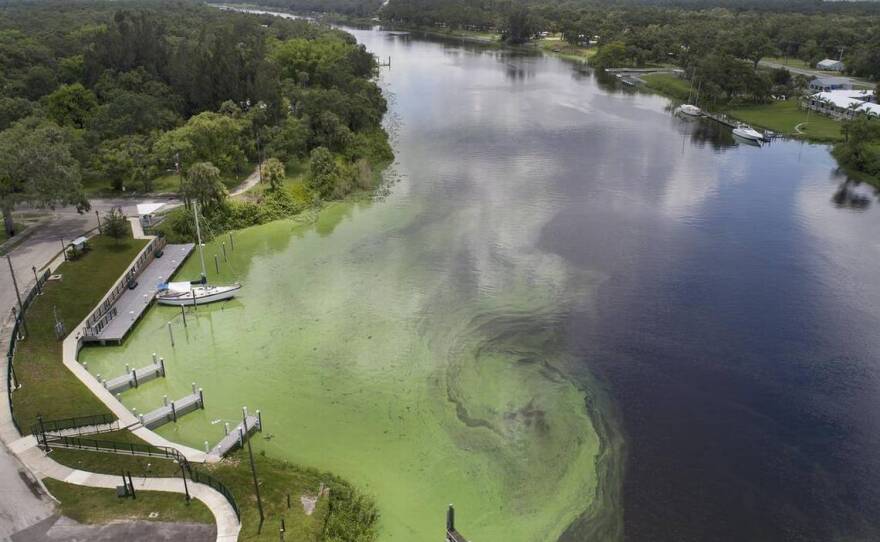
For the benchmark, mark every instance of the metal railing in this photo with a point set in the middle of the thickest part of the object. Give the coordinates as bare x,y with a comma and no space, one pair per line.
77,422
11,383
48,441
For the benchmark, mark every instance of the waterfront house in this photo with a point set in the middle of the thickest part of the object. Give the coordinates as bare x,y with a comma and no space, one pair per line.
824,84
830,65
844,104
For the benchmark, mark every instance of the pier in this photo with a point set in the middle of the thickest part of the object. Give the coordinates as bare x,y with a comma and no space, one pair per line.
172,410
134,293
235,438
136,377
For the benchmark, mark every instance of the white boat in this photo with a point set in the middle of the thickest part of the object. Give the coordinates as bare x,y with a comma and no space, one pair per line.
747,132
690,110
186,293
200,292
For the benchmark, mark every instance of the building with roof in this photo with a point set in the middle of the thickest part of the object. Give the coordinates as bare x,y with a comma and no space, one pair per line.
824,84
831,65
844,104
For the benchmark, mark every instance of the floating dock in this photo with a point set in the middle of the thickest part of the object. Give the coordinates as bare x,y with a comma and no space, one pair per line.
119,319
236,437
136,377
172,410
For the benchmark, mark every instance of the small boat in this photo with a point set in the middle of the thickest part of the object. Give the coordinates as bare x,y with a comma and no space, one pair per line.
747,132
198,292
690,110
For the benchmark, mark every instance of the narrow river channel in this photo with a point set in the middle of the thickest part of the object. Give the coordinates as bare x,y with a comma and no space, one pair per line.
571,314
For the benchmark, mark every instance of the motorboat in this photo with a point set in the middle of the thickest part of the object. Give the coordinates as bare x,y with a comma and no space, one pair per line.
745,131
195,292
690,110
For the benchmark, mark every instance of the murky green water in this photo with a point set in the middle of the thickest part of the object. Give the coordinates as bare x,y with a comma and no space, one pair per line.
373,356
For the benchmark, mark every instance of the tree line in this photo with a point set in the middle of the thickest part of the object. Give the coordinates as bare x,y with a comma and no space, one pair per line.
684,33
122,93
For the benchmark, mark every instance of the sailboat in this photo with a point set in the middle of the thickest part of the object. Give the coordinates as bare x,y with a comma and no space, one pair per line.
199,292
689,109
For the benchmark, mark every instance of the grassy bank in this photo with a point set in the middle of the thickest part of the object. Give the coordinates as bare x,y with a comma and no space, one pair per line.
47,386
351,516
668,84
785,116
564,49
97,505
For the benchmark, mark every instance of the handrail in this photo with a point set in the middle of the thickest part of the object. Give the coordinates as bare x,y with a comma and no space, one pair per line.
52,426
48,441
104,312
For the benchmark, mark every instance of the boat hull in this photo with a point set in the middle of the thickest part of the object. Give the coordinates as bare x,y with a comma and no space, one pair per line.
750,135
202,296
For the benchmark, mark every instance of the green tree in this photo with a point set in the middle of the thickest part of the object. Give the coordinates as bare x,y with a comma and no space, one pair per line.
115,224
208,137
37,167
71,105
273,173
611,55
324,173
203,184
127,161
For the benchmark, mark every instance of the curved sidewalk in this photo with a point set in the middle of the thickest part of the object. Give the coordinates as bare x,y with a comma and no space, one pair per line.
44,467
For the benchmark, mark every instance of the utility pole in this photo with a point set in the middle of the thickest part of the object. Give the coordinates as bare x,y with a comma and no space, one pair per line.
256,485
17,295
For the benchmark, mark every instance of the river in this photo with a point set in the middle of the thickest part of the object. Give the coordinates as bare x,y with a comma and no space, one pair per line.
571,314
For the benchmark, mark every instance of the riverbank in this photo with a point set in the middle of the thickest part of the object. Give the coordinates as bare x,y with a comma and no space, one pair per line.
784,117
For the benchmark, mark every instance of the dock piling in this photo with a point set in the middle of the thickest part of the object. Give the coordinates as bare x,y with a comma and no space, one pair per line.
183,313
225,257
217,263
171,334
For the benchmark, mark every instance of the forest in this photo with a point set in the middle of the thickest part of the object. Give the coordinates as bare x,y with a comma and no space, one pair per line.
120,96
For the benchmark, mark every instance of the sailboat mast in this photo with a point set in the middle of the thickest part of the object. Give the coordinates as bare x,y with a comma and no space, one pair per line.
199,239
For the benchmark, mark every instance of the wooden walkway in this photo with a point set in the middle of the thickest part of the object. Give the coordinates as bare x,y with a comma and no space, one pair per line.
131,305
237,436
171,410
136,377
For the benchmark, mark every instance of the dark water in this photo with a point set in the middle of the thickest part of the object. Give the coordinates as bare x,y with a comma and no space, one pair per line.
736,324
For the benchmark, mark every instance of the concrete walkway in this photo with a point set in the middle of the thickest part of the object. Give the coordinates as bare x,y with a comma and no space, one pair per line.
44,467
22,500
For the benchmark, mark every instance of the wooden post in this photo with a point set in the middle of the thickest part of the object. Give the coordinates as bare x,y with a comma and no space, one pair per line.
171,334
183,313
217,263
223,246
450,519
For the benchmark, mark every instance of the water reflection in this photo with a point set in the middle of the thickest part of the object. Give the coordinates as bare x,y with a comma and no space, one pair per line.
849,196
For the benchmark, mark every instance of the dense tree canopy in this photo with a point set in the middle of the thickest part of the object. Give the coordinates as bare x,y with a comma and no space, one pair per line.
137,88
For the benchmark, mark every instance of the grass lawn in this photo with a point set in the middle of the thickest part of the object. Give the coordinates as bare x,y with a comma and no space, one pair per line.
668,84
782,117
277,480
47,386
167,183
789,61
97,505
566,50
4,237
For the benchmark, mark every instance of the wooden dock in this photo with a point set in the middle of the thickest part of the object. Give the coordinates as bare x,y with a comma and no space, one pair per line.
172,410
235,438
117,320
136,377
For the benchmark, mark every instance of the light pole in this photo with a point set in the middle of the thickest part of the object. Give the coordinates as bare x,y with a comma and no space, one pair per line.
17,295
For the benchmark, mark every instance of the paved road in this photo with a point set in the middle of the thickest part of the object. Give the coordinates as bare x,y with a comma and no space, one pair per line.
812,73
21,503
62,529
